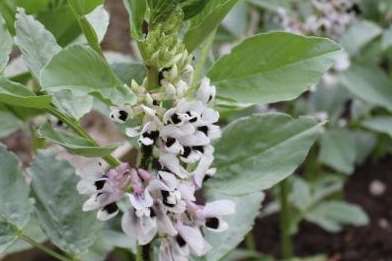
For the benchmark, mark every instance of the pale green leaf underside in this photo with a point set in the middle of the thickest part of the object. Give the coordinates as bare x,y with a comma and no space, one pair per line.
36,43
370,84
80,69
59,205
380,124
15,206
272,67
258,151
14,93
75,144
5,44
333,215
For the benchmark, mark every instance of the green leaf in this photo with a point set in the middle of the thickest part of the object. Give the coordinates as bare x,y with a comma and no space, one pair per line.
129,71
272,67
9,122
76,106
37,44
73,143
14,93
59,206
386,41
370,84
80,69
136,10
192,7
15,206
358,35
99,20
274,5
258,151
32,230
236,22
338,150
333,215
381,124
5,44
83,7
240,223
206,22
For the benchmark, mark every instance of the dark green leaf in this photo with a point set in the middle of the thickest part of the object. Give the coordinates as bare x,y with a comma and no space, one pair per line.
272,67
206,22
83,7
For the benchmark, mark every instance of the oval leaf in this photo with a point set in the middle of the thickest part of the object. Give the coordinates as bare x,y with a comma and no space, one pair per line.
59,206
15,206
80,69
14,93
259,151
272,67
5,44
73,143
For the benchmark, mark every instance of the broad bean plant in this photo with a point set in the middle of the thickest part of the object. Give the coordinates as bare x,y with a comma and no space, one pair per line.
194,186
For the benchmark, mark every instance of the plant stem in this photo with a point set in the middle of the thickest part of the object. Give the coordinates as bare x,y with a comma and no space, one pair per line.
152,78
286,243
139,253
250,241
47,250
87,29
74,125
204,51
311,165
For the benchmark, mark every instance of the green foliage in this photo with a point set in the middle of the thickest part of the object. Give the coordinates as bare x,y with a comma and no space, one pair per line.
15,206
333,215
136,10
258,151
262,77
59,206
37,44
206,22
5,44
381,124
80,69
14,93
83,7
75,144
370,84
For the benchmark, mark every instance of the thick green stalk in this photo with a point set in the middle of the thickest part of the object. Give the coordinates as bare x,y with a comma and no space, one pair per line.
75,126
45,249
286,243
152,78
139,253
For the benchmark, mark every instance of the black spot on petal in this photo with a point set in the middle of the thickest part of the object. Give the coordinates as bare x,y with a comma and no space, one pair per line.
198,148
187,152
175,119
212,222
99,184
123,115
170,141
203,129
180,241
111,208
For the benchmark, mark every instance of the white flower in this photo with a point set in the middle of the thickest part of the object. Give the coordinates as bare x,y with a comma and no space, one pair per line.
105,191
206,92
212,214
119,115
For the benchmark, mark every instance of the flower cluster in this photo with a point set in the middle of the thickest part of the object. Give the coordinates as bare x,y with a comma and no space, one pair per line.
329,18
175,134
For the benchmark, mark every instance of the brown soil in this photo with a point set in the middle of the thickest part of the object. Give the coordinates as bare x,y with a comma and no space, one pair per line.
368,243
